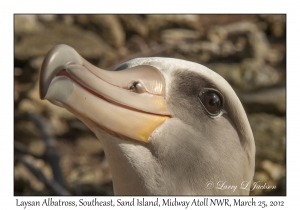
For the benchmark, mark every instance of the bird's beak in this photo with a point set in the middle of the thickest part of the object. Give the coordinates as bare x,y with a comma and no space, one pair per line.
130,103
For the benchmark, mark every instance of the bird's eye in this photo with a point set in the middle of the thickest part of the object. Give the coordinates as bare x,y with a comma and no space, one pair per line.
137,87
211,101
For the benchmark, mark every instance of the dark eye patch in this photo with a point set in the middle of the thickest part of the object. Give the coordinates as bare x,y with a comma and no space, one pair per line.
122,67
186,86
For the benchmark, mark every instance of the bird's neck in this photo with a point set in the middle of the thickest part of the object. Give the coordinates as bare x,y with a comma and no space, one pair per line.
134,171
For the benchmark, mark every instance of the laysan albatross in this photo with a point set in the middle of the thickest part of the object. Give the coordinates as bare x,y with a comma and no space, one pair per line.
167,126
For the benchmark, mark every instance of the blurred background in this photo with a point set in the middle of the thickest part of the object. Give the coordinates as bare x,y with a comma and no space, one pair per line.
56,154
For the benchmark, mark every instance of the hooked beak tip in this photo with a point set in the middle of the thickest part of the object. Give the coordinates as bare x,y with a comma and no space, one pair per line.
56,59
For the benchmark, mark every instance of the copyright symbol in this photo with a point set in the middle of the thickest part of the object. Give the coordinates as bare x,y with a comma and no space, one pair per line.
209,185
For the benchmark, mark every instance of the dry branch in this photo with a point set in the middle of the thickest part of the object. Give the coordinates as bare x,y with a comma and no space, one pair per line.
50,154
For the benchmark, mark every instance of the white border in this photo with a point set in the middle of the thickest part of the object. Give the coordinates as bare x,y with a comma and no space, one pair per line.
8,8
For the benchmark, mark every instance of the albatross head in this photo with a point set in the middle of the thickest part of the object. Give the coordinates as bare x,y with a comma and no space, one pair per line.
168,126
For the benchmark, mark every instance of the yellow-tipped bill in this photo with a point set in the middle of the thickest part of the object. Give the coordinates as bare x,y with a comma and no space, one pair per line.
130,103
